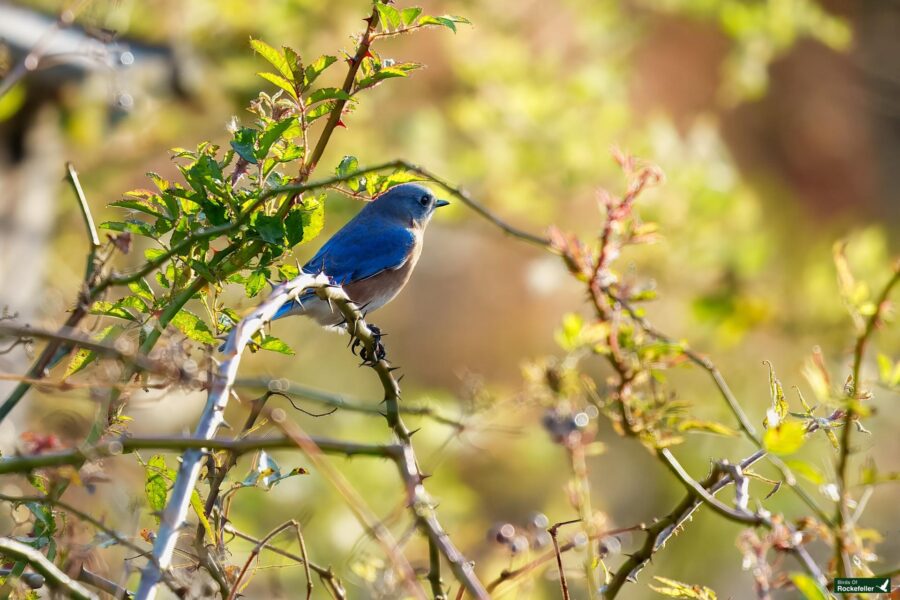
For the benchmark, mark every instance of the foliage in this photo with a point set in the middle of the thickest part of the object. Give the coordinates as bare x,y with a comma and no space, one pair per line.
239,208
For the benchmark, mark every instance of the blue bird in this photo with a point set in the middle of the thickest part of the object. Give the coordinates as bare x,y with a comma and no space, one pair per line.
373,255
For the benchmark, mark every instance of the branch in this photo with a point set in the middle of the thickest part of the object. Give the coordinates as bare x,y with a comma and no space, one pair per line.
725,391
173,516
343,403
844,568
329,579
335,116
42,565
420,502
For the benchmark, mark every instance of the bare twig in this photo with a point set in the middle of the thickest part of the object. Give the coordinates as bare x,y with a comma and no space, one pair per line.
329,579
343,403
42,565
254,554
554,531
103,584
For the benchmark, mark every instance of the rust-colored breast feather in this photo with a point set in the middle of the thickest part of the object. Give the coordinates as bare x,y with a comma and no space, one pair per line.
376,291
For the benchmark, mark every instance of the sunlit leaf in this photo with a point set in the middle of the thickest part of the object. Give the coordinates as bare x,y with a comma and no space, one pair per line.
786,438
193,327
281,82
274,57
807,586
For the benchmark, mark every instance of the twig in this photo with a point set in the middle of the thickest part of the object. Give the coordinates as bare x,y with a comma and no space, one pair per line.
725,391
434,571
362,48
103,584
553,531
514,574
125,445
421,504
341,402
68,336
175,512
842,557
93,238
354,501
329,579
42,565
262,544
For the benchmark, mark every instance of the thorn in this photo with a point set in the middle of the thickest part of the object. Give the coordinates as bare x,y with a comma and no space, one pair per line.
399,379
368,54
414,432
392,369
340,123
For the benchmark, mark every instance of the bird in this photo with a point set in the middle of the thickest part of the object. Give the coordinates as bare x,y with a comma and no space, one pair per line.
371,257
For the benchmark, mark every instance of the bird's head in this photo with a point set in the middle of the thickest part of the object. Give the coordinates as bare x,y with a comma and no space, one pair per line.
409,203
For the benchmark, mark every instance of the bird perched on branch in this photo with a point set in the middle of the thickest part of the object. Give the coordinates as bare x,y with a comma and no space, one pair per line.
372,256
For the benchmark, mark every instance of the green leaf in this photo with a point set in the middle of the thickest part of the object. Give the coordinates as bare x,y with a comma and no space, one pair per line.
244,142
389,16
274,57
255,283
269,228
348,164
409,15
157,484
288,271
131,226
275,345
786,438
316,68
142,290
807,586
271,135
304,222
109,309
329,93
83,357
193,327
320,110
281,82
448,21
197,505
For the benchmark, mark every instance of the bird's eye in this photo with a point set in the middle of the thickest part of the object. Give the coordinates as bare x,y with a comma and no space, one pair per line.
425,200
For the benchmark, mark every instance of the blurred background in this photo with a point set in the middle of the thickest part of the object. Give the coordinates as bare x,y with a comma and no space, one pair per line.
776,122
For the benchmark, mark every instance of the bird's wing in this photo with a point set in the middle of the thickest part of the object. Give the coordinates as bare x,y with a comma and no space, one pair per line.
357,252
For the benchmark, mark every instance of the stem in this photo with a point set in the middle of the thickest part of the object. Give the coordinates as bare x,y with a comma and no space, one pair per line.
42,565
842,557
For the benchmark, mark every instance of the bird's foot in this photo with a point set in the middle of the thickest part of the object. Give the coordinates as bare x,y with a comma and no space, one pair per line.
378,351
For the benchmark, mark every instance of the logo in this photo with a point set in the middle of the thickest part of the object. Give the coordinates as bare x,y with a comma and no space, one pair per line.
862,585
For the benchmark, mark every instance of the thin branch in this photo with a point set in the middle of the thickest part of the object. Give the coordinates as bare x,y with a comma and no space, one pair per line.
211,419
842,557
125,445
93,238
329,579
343,403
40,563
103,584
420,502
65,335
434,571
554,531
725,391
254,554
362,48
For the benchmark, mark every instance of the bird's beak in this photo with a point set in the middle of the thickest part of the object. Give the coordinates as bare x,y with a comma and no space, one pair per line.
440,203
